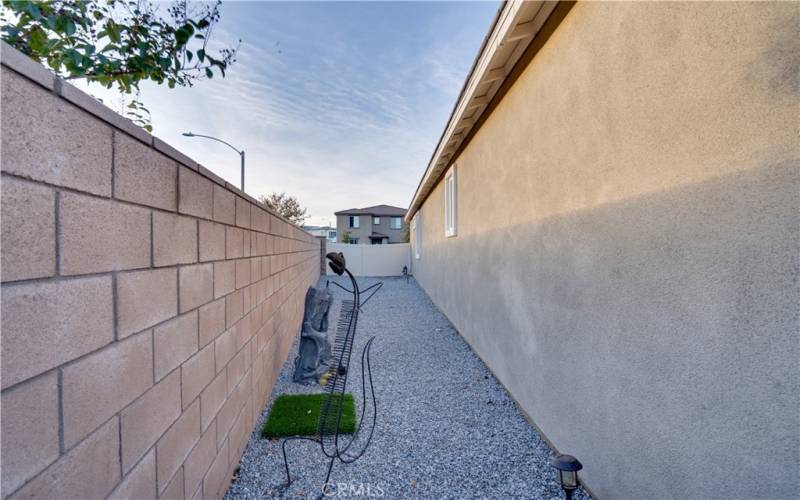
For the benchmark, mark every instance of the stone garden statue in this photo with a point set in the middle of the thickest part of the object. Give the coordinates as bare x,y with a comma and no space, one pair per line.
314,350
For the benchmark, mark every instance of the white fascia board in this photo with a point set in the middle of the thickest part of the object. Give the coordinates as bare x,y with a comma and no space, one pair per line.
509,28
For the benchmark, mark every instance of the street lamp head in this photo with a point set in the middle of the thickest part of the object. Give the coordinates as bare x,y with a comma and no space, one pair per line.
188,134
568,467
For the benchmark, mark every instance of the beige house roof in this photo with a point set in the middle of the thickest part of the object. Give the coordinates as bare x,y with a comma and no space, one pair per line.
515,26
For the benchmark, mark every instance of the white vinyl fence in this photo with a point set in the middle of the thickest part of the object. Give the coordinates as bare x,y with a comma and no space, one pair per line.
374,260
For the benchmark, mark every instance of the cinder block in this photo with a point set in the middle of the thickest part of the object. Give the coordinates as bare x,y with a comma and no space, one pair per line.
196,194
174,490
199,459
29,430
176,444
253,243
90,470
102,235
224,278
212,241
212,398
224,348
269,245
146,419
196,286
242,213
143,175
234,307
177,155
224,205
57,153
239,432
255,269
246,243
234,242
236,369
265,267
174,239
45,324
225,419
242,273
101,384
277,226
140,482
145,298
247,299
28,221
217,477
175,341
259,219
212,321
26,66
196,373
198,494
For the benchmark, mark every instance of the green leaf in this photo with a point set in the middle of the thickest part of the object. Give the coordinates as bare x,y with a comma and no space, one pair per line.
33,11
209,73
182,36
69,28
37,39
113,32
201,54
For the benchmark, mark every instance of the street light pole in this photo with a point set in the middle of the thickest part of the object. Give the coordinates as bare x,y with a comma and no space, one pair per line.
241,153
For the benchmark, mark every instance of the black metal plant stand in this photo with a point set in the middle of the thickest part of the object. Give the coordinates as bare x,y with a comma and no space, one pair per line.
334,445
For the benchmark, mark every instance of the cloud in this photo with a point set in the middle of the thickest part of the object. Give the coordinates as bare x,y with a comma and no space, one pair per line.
337,104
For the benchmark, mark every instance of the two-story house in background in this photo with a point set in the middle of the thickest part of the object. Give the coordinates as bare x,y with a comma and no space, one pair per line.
376,225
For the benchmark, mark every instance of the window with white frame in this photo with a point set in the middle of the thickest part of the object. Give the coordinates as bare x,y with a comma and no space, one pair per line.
354,221
376,221
416,226
396,223
450,202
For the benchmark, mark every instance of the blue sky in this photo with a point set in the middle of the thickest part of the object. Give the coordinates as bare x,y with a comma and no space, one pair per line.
339,104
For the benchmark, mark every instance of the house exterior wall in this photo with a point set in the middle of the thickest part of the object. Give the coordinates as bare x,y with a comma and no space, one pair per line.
147,308
395,235
362,232
626,257
366,229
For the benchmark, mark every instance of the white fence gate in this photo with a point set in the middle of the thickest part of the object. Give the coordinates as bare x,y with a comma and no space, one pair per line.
374,260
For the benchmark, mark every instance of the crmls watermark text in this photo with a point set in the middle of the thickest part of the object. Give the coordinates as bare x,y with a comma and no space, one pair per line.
345,490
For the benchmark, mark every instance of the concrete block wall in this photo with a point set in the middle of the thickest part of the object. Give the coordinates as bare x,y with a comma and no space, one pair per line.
147,306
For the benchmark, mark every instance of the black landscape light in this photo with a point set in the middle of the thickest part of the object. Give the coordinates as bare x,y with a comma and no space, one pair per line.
568,467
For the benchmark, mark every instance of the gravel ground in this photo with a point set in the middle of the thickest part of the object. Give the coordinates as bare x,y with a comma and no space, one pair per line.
446,428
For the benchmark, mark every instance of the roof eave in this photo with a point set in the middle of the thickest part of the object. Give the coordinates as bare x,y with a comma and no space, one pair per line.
515,26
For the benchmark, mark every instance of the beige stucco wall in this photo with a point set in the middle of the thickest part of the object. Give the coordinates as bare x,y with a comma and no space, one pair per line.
366,228
627,251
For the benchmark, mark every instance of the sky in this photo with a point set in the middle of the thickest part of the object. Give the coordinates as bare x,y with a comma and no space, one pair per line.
338,104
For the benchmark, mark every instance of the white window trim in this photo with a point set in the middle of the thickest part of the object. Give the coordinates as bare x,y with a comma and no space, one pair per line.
416,226
356,221
376,221
451,203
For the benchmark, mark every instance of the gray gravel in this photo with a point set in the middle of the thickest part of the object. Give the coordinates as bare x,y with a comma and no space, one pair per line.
446,428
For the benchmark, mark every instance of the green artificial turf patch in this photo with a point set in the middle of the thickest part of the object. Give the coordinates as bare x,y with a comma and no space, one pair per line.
298,415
